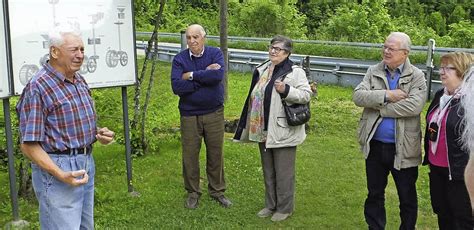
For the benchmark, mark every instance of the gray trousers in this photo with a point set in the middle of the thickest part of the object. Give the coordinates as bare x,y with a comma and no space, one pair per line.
279,176
193,130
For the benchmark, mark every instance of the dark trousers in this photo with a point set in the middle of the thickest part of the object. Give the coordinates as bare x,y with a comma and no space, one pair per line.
378,165
450,200
193,130
279,175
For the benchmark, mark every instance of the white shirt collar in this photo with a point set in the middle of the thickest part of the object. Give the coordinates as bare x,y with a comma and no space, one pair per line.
200,54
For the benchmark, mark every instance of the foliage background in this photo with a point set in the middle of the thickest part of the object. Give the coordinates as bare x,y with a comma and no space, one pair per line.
448,22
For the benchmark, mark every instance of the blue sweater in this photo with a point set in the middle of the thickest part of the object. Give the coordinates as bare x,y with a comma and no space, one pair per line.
205,93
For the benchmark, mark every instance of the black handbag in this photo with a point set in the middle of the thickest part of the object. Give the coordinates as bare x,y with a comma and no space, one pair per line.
296,114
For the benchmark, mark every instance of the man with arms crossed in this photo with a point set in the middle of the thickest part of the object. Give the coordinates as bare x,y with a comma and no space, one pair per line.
196,77
392,94
58,127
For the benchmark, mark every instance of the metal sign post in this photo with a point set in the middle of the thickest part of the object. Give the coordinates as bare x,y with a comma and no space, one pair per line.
11,165
16,223
128,149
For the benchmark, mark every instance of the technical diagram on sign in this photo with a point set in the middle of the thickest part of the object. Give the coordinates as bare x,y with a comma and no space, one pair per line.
107,32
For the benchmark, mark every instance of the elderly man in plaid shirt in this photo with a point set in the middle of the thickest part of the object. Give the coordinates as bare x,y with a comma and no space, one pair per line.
58,127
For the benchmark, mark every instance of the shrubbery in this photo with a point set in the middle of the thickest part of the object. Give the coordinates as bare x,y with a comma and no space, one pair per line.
449,23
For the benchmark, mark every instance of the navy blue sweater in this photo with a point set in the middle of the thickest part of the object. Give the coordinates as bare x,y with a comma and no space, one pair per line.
205,93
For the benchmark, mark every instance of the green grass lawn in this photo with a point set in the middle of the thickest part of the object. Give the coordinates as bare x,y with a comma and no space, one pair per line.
330,174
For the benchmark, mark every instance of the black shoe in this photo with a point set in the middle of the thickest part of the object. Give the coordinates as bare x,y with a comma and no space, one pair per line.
191,202
226,203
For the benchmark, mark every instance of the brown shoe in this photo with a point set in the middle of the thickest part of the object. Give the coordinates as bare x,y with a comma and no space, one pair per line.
226,203
191,202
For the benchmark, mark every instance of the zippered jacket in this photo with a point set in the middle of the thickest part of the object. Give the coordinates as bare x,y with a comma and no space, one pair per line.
279,133
370,94
457,157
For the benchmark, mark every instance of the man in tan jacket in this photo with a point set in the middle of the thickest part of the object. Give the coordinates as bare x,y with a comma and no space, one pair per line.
392,94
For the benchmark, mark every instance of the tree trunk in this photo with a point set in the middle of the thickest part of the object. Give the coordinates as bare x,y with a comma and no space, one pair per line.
25,187
223,41
152,74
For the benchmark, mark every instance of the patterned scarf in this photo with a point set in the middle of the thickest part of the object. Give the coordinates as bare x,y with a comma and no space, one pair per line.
257,121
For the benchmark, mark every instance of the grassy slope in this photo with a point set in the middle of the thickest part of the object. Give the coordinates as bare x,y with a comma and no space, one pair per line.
330,189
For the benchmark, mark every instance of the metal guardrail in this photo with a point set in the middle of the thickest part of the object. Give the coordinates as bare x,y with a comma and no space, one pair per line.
354,44
328,70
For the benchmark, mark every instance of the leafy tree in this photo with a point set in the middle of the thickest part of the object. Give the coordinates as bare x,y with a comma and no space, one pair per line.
265,19
457,15
419,34
462,34
145,11
138,123
412,8
316,13
437,22
366,22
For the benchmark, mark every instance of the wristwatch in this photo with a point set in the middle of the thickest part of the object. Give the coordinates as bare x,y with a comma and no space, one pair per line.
190,76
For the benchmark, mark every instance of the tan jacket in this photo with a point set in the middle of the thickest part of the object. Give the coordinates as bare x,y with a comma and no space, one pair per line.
370,94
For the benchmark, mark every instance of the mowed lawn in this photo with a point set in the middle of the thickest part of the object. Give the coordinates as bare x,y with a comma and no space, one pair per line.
330,174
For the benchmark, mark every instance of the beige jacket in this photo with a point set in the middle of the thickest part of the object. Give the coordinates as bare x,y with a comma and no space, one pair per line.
279,133
370,94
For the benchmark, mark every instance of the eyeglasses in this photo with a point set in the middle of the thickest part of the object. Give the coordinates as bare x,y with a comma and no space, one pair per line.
276,49
390,50
446,68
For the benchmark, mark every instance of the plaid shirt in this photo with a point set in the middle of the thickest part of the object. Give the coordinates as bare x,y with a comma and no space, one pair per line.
55,112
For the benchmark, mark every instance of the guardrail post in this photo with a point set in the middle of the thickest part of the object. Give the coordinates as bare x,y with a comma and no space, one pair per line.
307,69
429,66
183,40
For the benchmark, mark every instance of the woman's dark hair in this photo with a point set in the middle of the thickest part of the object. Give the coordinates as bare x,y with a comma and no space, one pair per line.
287,42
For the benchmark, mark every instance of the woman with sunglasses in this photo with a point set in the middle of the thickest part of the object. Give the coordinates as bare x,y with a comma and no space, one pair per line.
444,152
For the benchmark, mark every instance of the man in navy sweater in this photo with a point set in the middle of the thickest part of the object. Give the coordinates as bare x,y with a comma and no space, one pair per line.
196,77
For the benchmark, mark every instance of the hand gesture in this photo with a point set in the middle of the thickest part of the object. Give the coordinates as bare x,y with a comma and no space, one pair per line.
105,136
214,66
73,177
279,86
395,95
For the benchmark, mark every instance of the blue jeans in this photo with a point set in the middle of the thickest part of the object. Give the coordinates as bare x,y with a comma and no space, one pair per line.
62,206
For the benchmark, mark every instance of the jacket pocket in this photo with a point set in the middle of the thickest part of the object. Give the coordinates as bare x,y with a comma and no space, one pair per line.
411,144
283,132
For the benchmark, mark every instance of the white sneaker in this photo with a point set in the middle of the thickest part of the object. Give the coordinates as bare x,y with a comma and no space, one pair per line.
280,216
265,213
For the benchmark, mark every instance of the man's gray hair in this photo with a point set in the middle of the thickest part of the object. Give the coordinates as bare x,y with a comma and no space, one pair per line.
56,35
199,27
467,101
287,42
404,38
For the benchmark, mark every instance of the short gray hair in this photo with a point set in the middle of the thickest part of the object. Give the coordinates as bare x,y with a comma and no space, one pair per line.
287,42
56,35
404,38
467,102
199,27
